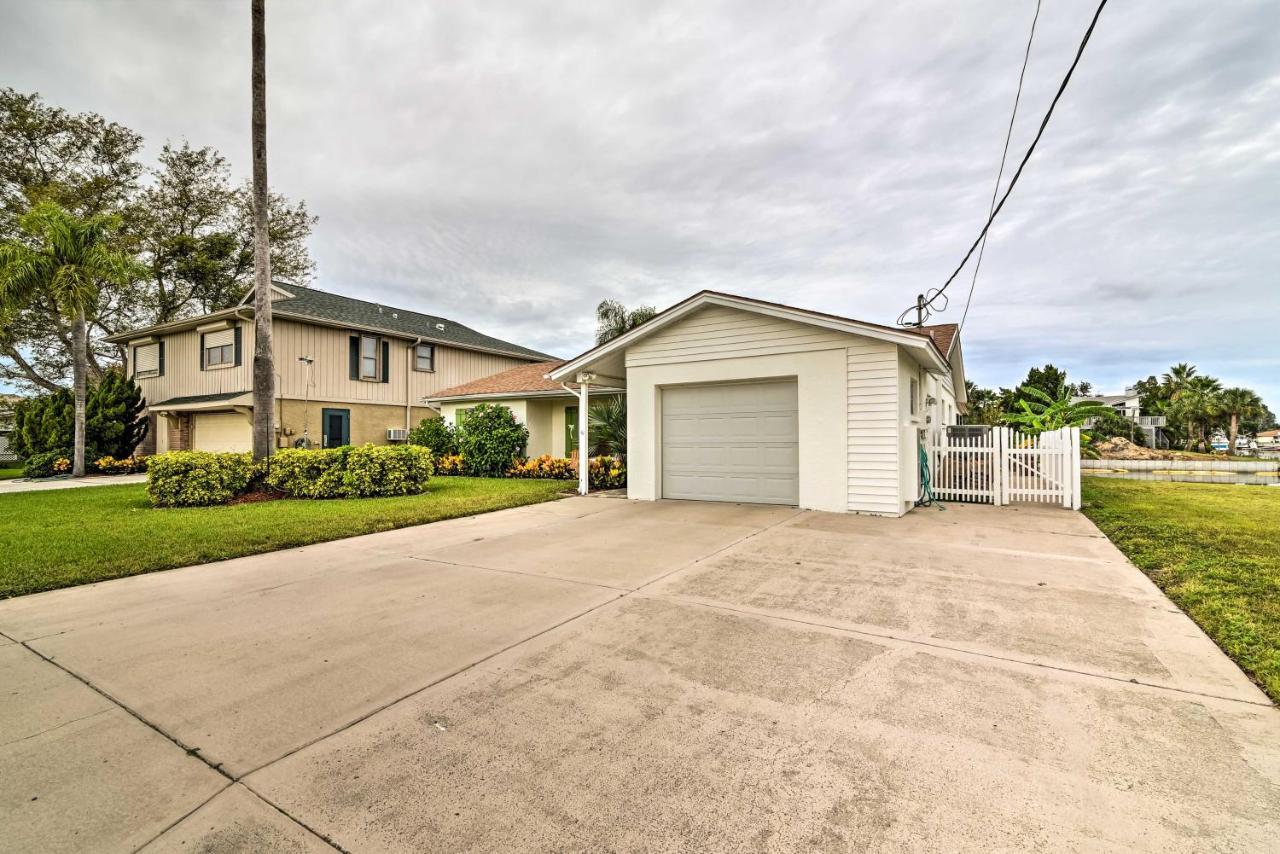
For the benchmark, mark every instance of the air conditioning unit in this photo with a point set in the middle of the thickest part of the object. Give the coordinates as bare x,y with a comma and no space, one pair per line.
397,434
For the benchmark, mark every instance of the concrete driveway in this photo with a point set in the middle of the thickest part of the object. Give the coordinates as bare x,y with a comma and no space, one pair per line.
597,674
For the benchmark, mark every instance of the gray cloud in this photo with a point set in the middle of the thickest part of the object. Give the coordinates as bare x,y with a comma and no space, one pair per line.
510,164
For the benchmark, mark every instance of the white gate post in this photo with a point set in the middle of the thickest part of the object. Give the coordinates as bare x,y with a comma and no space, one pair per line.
1075,468
998,466
584,461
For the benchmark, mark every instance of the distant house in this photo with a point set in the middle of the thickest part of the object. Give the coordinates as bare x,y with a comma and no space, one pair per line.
6,427
1268,439
348,371
1129,407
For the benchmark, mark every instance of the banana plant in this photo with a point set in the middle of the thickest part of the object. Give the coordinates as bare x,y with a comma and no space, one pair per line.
1044,412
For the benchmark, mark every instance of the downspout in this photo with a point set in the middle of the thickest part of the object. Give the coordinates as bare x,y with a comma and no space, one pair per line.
408,384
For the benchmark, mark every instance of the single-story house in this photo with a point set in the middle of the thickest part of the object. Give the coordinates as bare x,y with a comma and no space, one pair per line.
549,409
737,399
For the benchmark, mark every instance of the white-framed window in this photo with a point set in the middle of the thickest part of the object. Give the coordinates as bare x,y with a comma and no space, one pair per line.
369,358
915,396
424,357
146,360
220,348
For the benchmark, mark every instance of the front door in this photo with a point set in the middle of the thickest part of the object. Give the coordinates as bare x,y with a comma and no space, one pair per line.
570,430
335,427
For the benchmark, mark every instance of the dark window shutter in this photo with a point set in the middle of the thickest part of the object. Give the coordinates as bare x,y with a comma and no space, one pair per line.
355,356
202,351
161,359
133,362
239,348
386,361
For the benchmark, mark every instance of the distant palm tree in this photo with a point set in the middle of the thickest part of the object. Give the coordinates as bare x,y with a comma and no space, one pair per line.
613,319
1238,404
1176,379
68,261
1196,405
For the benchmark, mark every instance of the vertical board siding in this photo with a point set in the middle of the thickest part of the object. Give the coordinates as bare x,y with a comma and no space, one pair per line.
718,332
330,372
873,428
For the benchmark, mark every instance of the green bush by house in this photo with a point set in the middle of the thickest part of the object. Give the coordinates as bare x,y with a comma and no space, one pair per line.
490,440
544,467
436,435
113,422
197,478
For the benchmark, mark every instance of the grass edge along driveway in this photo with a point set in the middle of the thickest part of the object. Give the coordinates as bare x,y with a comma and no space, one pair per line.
1214,549
61,538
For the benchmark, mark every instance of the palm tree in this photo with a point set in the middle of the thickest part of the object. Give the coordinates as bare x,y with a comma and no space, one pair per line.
68,262
608,427
1196,405
264,373
1238,404
1176,379
613,319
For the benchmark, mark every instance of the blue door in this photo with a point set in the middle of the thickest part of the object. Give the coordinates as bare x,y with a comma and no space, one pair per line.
335,427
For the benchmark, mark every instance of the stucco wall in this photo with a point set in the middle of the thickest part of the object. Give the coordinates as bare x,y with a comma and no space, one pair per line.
821,393
369,421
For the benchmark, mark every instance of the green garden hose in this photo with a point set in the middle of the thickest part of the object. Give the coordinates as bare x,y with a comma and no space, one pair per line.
926,485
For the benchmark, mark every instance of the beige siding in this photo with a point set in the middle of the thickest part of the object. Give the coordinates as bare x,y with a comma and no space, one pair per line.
182,374
873,427
329,373
717,332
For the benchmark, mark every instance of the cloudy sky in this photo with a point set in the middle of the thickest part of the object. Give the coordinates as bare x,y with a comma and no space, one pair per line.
509,164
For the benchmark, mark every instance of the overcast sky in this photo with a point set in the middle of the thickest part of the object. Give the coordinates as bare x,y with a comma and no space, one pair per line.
509,164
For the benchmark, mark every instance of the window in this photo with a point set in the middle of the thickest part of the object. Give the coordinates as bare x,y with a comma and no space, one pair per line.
915,396
218,349
368,357
460,416
146,360
425,357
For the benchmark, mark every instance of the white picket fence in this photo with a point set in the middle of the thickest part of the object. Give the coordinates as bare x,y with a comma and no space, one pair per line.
1001,465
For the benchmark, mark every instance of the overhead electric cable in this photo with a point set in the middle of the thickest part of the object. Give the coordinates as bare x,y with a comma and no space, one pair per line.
923,305
977,264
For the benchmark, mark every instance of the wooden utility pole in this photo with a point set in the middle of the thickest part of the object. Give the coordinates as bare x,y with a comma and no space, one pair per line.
264,375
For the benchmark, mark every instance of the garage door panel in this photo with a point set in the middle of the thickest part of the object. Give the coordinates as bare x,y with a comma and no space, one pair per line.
221,432
731,442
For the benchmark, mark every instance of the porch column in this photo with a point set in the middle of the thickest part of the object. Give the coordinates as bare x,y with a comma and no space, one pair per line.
584,462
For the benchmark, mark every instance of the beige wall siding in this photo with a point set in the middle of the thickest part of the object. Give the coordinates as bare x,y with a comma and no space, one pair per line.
182,375
369,421
871,371
717,332
329,374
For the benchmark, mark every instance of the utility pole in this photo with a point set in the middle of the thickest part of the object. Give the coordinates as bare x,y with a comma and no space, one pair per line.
919,309
264,375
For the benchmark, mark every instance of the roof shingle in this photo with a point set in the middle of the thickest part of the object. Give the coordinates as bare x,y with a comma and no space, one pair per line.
525,378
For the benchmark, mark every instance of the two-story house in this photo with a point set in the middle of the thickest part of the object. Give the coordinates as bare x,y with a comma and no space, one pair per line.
347,371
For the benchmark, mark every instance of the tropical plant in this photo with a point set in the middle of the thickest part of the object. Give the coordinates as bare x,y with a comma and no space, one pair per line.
1238,404
1194,403
613,319
65,262
491,440
1041,412
608,427
983,404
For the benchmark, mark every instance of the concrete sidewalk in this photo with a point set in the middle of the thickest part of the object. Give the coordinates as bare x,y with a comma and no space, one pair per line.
597,674
15,485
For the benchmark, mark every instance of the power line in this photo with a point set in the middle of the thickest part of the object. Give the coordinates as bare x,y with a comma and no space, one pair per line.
977,264
924,304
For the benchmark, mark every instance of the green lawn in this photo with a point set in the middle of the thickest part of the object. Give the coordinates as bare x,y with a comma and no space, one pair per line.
1214,549
64,537
9,474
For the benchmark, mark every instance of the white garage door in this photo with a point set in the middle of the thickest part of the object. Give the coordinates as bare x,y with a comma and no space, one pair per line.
221,431
731,442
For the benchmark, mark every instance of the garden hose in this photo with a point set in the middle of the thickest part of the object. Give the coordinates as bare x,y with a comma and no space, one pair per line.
926,485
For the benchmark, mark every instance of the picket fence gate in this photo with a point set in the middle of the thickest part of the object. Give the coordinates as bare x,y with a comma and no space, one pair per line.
1001,465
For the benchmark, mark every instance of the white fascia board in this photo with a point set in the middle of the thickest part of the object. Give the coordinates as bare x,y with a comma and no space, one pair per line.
570,369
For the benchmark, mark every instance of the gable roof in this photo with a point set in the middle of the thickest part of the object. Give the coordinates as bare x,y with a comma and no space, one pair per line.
925,339
312,304
525,378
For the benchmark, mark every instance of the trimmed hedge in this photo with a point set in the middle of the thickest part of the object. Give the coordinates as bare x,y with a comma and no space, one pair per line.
197,478
351,472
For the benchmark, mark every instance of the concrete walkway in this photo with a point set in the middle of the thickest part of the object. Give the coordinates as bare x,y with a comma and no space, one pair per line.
23,485
596,674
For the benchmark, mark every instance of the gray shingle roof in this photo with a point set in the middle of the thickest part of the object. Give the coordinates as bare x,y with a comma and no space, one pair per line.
198,398
322,305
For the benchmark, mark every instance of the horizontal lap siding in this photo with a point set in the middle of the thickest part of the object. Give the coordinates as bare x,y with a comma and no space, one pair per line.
873,428
717,332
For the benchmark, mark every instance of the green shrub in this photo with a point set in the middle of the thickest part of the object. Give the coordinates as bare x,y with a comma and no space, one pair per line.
545,467
197,478
436,435
304,473
491,440
110,465
362,472
387,470
606,473
46,463
113,422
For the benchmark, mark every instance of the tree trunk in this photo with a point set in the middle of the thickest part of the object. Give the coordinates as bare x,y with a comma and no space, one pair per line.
1232,433
264,375
79,368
